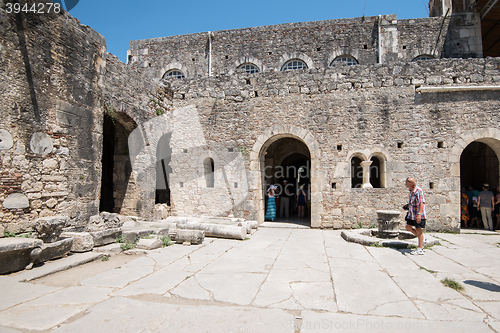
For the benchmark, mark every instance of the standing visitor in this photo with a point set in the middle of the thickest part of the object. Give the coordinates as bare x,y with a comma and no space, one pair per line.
486,203
416,216
301,201
464,212
271,203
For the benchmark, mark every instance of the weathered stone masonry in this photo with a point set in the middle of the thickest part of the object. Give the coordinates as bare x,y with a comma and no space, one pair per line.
367,110
56,81
68,109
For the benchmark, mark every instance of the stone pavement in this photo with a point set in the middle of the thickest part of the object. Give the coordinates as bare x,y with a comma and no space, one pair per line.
281,280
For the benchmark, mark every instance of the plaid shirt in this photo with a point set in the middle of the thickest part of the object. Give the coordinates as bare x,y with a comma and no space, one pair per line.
416,197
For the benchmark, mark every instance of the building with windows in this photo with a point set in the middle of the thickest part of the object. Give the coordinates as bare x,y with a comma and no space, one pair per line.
205,123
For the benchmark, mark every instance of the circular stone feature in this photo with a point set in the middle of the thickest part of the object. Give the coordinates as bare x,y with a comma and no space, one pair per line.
16,201
41,143
5,140
388,223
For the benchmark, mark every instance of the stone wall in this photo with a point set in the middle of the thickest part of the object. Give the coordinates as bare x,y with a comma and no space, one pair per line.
57,81
387,111
316,43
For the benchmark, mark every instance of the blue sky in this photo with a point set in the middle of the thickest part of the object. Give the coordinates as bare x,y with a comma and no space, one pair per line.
126,20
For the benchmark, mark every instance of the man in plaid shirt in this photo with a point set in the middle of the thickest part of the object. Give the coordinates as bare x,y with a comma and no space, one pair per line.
416,213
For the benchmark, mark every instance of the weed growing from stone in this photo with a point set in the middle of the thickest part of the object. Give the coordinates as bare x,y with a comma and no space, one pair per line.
377,244
430,246
127,246
411,246
166,241
428,270
105,258
8,234
120,239
452,284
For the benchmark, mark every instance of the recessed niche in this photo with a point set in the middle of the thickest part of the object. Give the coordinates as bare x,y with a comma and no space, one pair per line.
339,147
334,185
431,185
440,144
400,144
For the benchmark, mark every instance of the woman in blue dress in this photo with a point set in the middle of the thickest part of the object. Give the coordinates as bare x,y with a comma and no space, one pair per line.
271,203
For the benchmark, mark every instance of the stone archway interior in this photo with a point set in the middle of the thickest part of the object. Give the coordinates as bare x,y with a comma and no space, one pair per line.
118,190
287,158
478,165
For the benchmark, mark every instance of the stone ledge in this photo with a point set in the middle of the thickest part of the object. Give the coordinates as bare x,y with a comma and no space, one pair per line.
361,236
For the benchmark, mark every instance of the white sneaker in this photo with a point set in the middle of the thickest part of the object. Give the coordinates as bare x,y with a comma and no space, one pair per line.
418,251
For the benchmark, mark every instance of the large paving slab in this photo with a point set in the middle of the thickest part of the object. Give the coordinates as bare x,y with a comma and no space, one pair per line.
280,280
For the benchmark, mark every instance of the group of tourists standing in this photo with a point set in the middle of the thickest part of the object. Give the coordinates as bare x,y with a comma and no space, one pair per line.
287,200
477,206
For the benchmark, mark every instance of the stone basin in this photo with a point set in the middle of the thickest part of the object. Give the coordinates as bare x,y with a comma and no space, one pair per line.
18,253
388,223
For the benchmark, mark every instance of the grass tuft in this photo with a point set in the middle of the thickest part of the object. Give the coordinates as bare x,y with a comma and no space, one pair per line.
452,284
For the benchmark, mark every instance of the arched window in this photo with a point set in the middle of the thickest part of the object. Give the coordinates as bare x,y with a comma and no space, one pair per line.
294,64
356,173
375,172
208,165
346,60
249,68
174,73
423,57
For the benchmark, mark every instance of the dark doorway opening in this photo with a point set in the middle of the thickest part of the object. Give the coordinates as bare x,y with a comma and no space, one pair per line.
107,202
288,159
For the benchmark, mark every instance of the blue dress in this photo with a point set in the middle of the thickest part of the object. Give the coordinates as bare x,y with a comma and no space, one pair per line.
271,209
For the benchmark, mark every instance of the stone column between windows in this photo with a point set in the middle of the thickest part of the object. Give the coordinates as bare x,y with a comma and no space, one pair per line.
366,174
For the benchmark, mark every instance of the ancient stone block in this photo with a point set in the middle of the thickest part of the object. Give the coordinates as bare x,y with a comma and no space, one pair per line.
105,237
50,228
82,241
149,244
41,143
5,140
16,201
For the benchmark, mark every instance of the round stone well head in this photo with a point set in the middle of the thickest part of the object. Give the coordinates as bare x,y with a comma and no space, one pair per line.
388,223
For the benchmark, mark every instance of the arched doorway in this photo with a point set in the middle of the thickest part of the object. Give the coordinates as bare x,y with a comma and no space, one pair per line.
286,158
117,184
479,165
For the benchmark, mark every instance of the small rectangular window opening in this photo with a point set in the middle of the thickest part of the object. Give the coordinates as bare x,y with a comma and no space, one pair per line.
431,185
365,47
339,147
230,150
334,185
184,151
235,185
400,144
440,144
181,184
404,47
256,94
318,49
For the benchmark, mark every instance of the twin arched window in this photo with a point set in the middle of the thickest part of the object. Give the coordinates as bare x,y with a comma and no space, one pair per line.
368,175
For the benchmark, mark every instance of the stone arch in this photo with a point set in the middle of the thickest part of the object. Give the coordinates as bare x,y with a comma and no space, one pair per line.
250,60
173,65
340,51
382,172
297,55
490,137
256,175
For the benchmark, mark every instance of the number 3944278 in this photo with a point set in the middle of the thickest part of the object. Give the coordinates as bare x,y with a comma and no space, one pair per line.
36,8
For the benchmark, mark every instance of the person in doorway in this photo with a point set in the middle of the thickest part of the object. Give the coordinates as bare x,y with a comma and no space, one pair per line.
271,203
464,212
301,201
286,193
416,216
497,208
474,213
486,203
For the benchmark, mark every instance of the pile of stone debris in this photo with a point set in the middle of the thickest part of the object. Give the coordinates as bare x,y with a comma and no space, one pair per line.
112,233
